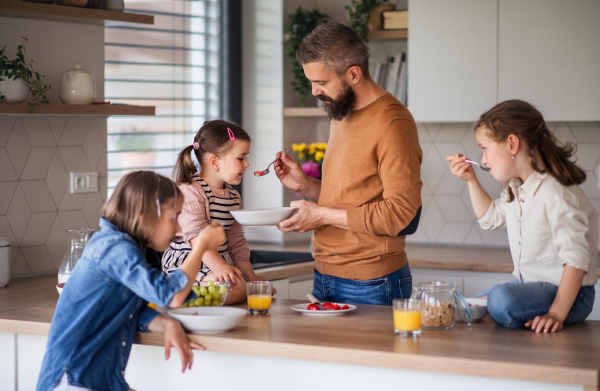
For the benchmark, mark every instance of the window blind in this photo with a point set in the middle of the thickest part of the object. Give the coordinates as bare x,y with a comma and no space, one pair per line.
173,65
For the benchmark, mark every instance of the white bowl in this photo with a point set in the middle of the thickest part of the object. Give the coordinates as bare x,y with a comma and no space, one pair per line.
478,307
209,320
262,217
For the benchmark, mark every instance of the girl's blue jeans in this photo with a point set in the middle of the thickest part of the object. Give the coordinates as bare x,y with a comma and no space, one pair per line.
514,303
379,291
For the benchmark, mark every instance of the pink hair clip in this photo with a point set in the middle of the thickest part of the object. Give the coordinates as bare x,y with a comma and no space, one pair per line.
230,133
196,145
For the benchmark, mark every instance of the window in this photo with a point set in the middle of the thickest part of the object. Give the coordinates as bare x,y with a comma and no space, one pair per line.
174,65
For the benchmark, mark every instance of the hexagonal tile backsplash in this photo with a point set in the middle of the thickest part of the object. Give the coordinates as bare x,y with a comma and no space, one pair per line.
36,156
447,217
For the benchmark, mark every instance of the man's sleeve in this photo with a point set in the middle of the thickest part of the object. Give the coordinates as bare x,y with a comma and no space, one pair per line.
400,157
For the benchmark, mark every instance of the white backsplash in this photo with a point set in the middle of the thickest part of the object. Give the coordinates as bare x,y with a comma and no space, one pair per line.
36,206
447,217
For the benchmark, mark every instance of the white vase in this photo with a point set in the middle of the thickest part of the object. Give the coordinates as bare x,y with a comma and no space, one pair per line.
77,87
14,90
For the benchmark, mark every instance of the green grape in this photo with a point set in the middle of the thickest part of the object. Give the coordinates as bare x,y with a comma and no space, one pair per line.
210,282
184,305
221,299
207,303
215,303
198,302
196,289
203,291
212,289
216,295
223,290
208,297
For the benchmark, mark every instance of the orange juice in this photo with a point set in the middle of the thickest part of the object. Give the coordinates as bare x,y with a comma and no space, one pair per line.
407,320
260,302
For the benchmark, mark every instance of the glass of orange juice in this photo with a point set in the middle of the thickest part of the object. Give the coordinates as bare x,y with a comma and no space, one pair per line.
407,317
259,297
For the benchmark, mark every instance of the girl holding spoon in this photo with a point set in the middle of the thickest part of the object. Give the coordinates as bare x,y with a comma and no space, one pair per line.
552,226
221,149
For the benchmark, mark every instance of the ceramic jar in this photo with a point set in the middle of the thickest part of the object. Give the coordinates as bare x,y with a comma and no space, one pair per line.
114,5
14,90
77,87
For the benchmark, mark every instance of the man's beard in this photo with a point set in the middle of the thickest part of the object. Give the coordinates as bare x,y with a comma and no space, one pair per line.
342,106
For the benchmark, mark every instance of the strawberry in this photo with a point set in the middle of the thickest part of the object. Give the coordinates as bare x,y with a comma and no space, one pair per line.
336,307
313,307
345,307
327,306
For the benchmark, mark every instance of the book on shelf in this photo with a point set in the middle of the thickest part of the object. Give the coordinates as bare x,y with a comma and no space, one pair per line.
394,20
392,75
402,84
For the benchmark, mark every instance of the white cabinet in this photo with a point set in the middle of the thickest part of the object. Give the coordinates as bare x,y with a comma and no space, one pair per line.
452,59
300,286
549,55
283,288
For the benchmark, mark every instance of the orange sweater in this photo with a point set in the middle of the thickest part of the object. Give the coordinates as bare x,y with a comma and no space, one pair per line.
372,167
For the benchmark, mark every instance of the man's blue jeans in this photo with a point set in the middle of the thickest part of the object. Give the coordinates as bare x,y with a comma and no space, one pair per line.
380,291
514,303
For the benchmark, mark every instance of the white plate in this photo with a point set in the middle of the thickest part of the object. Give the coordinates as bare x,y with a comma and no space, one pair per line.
262,217
303,308
209,320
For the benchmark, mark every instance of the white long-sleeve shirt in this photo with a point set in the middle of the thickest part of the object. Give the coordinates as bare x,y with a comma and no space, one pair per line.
549,225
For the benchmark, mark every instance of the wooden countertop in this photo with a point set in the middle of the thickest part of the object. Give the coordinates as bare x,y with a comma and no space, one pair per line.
362,337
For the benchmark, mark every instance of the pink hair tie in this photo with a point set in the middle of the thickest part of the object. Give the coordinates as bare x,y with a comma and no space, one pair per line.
230,133
196,145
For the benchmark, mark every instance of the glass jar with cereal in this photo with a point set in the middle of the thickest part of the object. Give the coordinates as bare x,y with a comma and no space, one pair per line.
440,300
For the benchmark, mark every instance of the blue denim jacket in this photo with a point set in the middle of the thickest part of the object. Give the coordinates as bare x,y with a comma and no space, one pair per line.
100,309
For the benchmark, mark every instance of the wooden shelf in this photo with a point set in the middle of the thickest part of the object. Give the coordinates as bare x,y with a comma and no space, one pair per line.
304,112
59,13
74,110
387,34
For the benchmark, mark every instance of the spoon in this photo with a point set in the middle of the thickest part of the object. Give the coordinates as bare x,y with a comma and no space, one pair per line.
312,299
266,171
480,166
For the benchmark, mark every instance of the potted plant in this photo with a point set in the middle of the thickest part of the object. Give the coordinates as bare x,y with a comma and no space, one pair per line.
302,23
312,155
18,78
363,10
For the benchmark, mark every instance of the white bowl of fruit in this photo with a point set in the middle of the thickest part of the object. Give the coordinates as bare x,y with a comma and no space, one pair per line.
209,294
208,320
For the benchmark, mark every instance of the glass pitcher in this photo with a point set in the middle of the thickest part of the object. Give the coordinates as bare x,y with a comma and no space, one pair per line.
76,241
440,300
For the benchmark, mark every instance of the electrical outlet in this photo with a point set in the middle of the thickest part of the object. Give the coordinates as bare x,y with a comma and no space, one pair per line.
84,182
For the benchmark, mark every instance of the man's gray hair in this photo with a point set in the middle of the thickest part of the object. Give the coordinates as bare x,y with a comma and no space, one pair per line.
337,46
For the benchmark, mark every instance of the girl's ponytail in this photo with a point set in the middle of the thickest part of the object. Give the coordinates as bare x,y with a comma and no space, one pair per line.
184,167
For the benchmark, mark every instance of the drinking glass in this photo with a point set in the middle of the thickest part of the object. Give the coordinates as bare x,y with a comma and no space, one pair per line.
259,297
407,317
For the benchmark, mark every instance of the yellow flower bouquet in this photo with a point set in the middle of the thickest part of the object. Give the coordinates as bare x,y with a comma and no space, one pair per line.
312,155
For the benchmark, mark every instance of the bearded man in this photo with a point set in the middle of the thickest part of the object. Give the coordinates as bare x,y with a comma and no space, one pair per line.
369,196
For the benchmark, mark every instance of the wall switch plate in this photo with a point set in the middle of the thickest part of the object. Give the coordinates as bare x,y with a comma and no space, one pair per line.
84,182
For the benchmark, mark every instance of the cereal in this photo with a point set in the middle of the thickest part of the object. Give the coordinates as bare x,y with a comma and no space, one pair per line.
437,314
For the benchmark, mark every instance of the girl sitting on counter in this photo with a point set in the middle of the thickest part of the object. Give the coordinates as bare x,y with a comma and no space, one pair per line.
552,226
221,149
104,302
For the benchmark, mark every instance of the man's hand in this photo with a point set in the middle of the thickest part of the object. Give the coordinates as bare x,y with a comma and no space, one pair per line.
309,217
545,323
289,172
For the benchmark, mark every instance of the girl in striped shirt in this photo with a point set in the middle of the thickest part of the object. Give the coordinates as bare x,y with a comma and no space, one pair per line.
221,149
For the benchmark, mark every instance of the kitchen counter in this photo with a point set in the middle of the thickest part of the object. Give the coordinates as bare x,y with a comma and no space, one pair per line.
362,337
422,257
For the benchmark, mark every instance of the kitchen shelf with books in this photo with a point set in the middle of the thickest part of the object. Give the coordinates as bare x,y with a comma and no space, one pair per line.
21,109
387,34
59,13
